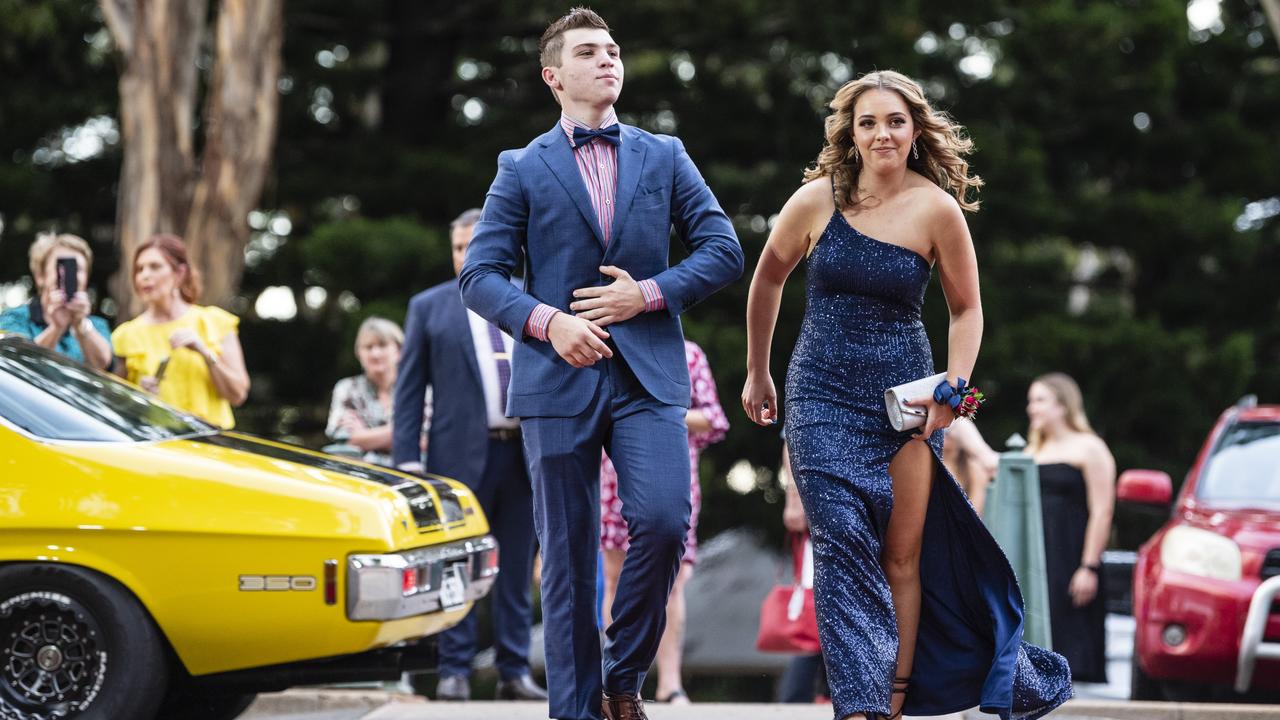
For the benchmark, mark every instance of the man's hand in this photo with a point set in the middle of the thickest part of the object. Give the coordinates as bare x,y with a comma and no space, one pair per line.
578,341
619,300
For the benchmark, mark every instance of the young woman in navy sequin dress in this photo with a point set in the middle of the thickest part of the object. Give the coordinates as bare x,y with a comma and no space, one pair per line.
918,609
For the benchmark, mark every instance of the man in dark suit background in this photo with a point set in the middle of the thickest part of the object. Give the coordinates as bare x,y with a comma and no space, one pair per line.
467,362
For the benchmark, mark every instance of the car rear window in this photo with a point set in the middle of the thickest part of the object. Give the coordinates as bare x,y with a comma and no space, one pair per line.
51,397
1245,465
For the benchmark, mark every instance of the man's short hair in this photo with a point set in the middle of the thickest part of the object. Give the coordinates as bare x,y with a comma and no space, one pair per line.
551,46
466,219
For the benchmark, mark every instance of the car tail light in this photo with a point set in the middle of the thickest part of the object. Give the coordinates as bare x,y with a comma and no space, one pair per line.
389,586
489,562
330,582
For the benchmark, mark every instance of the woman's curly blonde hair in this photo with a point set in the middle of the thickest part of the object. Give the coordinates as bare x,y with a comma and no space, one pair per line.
942,143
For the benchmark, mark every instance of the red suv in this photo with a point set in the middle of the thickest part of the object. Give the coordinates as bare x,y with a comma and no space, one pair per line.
1205,585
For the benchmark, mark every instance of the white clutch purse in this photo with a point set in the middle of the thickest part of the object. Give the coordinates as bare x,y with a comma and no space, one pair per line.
905,417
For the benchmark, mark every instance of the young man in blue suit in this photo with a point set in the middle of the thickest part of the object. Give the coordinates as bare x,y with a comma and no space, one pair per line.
588,208
467,361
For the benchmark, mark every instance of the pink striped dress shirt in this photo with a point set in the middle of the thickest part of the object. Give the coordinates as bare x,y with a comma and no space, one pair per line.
598,165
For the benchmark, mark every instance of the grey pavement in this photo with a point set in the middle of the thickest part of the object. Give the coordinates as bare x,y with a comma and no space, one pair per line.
1094,701
372,705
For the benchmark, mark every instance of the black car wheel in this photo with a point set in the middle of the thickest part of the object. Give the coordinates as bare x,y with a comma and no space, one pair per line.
75,644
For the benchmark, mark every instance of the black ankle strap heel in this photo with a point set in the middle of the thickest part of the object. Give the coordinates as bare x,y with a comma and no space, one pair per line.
900,686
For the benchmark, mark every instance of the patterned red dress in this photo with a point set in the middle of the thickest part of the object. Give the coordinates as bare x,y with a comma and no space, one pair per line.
613,528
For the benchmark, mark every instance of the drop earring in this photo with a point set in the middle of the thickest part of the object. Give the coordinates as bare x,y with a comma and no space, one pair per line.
915,152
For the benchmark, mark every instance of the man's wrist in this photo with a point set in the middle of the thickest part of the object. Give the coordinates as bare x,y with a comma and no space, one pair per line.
538,324
651,294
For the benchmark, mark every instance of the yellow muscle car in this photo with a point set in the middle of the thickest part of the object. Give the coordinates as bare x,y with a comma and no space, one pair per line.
153,565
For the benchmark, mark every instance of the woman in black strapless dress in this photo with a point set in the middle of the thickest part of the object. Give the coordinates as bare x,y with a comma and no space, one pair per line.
918,609
1077,478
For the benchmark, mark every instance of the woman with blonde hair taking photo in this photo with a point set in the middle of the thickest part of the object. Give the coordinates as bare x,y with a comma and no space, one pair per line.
918,609
58,316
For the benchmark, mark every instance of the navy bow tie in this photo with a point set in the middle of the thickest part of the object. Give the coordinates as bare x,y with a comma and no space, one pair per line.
582,136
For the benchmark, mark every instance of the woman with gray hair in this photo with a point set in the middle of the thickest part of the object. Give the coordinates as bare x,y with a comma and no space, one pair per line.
54,318
360,414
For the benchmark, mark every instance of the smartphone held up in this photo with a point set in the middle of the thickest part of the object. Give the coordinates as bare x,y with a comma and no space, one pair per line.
68,276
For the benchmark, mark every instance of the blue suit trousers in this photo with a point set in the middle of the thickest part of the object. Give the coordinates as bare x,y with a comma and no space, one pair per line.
648,443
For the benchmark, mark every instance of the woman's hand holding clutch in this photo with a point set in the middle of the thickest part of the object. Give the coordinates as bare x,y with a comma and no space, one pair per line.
939,416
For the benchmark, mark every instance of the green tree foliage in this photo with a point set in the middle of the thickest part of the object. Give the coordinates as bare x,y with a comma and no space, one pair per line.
1128,232
57,75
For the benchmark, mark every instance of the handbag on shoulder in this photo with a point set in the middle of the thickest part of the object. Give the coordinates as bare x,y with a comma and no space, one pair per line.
788,621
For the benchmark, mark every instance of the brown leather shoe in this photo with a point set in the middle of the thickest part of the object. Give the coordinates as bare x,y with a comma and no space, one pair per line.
623,707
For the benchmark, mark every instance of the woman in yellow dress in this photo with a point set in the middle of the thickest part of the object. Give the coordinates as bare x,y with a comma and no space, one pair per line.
187,354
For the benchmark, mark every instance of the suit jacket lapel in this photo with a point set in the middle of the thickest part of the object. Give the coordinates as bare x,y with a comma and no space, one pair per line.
558,156
458,319
630,164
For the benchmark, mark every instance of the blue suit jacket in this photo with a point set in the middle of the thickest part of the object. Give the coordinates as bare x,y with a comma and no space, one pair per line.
438,351
538,212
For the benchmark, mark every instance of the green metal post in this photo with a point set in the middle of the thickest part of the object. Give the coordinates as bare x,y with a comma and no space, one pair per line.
1012,514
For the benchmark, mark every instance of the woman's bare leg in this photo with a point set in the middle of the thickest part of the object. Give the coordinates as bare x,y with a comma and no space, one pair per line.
912,473
612,569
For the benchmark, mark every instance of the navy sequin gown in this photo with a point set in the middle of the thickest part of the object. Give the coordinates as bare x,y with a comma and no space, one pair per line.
862,334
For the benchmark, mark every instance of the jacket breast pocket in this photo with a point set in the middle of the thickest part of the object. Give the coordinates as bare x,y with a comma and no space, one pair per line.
652,198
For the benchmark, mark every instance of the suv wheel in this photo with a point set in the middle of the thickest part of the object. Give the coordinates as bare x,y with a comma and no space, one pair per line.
73,643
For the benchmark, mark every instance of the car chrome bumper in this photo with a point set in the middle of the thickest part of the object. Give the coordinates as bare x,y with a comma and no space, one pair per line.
1252,646
391,586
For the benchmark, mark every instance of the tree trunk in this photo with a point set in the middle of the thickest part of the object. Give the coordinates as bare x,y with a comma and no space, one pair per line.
161,187
1272,9
240,131
158,41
